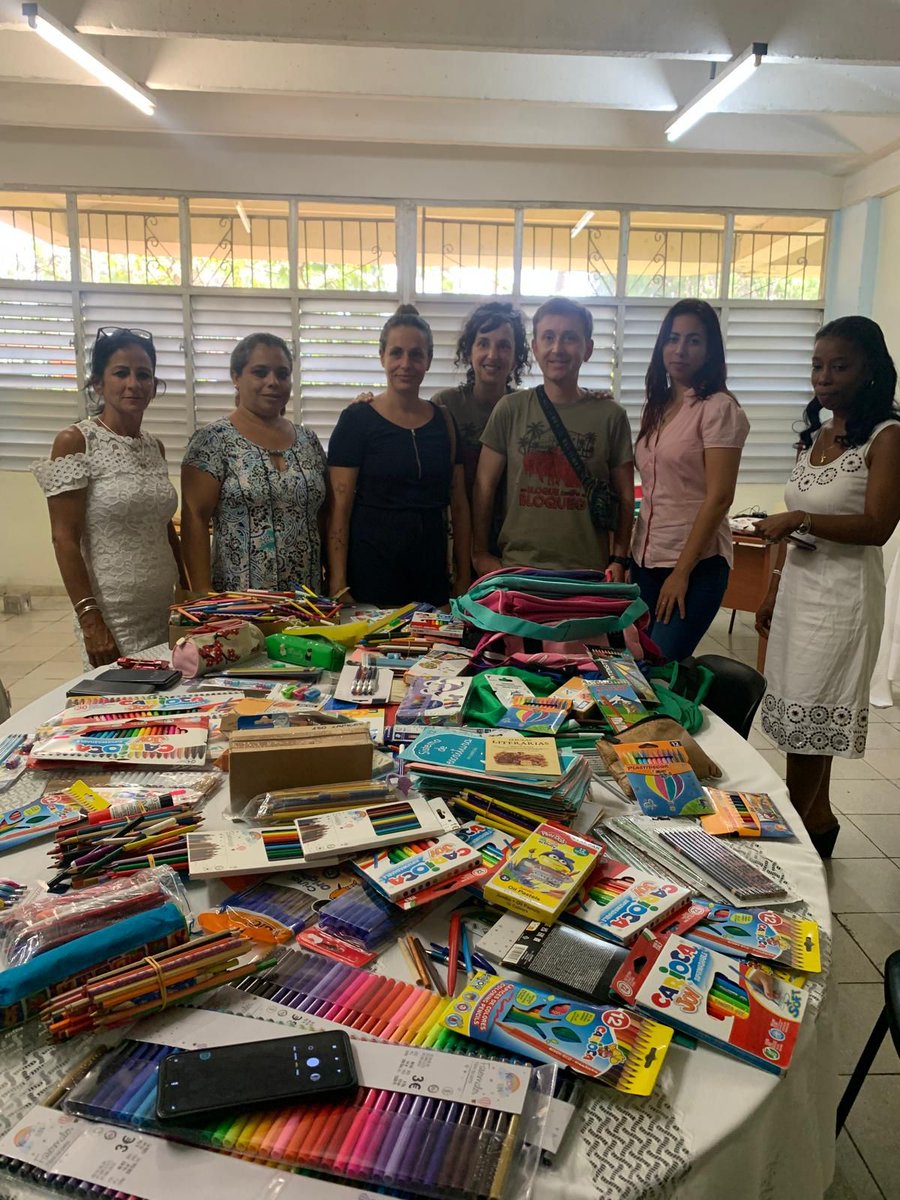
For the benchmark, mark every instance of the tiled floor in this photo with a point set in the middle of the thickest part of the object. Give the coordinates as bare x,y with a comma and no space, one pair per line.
38,651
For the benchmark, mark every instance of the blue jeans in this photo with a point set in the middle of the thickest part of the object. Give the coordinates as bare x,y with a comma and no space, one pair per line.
680,636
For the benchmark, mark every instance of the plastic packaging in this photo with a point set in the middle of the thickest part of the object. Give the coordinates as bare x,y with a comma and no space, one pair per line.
264,911
289,804
42,920
361,917
421,1144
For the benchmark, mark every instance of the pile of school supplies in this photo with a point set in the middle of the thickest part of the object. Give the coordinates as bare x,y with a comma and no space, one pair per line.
42,921
151,741
24,989
524,775
85,851
261,607
118,997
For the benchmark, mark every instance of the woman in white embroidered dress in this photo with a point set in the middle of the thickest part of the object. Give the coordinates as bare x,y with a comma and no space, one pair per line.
824,620
111,506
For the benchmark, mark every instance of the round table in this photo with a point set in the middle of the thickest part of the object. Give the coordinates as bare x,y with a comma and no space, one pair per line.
714,1126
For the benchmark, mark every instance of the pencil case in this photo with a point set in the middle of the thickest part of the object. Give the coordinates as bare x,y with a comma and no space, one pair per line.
43,921
306,651
215,648
25,989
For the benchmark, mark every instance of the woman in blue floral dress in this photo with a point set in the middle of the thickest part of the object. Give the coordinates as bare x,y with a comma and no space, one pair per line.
260,479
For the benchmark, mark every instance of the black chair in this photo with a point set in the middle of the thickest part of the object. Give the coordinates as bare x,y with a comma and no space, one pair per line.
888,1019
736,692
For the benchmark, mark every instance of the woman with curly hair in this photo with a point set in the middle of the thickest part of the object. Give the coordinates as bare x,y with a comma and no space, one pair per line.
824,609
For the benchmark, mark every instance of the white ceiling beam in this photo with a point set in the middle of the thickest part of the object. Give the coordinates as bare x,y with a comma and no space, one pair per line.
832,30
876,179
426,122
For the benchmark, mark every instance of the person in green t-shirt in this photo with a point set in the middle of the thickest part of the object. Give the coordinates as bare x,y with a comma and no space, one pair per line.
547,521
493,347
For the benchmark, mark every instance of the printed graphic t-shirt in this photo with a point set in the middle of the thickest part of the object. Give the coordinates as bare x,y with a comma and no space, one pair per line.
547,521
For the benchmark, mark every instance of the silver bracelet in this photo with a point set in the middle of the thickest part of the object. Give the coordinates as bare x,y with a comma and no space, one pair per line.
84,612
777,571
85,600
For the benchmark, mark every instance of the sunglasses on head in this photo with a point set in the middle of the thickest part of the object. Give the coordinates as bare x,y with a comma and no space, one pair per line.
113,330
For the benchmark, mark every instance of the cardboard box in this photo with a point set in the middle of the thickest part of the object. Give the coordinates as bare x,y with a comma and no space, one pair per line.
267,760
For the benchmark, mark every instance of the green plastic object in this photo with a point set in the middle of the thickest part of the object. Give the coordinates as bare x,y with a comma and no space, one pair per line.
315,652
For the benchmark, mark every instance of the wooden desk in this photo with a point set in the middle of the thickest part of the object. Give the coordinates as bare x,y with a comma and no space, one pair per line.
754,559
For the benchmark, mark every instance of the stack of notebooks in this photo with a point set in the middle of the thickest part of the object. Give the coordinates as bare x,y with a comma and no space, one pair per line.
529,773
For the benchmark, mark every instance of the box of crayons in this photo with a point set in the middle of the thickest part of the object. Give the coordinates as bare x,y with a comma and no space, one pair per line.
660,775
539,879
534,714
614,1046
772,936
732,1004
748,814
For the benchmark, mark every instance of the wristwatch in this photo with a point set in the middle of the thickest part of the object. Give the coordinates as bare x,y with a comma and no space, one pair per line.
620,560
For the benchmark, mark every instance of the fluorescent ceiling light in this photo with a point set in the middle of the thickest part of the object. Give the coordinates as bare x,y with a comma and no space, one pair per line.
735,73
242,213
582,221
78,50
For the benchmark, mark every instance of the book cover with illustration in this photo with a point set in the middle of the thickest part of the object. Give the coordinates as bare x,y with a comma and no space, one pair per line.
613,1046
544,873
433,702
618,703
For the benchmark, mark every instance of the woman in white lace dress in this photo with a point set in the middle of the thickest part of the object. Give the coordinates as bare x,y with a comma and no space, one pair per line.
824,611
111,506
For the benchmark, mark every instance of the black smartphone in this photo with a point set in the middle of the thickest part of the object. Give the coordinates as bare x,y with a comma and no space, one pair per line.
303,1067
161,681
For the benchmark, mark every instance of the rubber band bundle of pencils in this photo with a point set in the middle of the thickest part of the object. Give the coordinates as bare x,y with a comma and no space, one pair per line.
258,605
87,853
43,920
118,997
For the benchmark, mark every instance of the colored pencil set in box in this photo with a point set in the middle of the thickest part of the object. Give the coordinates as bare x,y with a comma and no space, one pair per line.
540,878
152,741
662,780
733,1005
118,997
771,936
610,1044
618,666
355,830
618,703
748,814
619,902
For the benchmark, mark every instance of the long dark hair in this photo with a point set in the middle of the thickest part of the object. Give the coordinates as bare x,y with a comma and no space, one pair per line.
485,319
711,377
875,401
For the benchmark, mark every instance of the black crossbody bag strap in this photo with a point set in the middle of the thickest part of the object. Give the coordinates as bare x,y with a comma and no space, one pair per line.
559,431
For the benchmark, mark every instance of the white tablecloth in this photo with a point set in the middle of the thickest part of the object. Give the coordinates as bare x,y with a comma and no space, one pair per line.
715,1126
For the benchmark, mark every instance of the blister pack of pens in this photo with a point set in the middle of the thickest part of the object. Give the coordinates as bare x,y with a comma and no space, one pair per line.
264,912
362,917
424,1125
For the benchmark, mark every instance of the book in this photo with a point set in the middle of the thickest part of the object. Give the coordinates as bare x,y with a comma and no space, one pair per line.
620,667
734,1005
619,902
619,705
662,780
533,716
433,702
568,958
748,814
607,1043
543,874
771,936
518,756
402,870
355,830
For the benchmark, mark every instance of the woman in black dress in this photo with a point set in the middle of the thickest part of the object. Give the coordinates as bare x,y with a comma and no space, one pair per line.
394,467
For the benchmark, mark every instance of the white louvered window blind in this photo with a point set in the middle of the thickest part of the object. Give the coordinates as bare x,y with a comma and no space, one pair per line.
38,377
338,356
160,313
218,322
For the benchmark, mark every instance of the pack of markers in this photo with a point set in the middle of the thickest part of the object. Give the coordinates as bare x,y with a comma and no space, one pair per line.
737,1006
619,902
151,741
421,872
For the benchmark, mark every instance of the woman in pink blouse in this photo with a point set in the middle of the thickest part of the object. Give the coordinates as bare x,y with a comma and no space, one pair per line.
688,453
